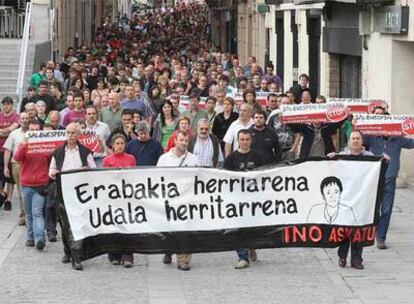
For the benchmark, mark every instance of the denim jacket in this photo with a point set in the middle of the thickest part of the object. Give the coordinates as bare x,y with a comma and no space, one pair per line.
391,146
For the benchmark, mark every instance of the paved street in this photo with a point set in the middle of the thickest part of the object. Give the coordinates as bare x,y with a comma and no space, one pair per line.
280,276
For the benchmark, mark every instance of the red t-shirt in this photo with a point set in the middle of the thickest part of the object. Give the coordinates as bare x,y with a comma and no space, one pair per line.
119,160
5,122
73,115
34,168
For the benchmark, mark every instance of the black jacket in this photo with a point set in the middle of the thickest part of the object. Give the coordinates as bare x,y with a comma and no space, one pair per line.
266,142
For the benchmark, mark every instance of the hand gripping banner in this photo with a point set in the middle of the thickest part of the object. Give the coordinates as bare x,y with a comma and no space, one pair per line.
317,203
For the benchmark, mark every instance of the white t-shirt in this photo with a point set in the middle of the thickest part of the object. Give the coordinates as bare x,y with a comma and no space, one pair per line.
15,138
170,160
231,134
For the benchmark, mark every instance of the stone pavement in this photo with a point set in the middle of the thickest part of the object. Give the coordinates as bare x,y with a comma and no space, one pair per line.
296,275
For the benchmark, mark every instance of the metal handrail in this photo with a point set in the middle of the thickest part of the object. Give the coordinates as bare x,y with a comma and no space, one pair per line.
21,78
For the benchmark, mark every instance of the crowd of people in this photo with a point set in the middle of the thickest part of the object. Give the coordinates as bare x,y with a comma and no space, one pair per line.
128,88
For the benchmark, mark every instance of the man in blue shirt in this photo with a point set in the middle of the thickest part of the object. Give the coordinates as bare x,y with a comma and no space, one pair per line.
131,101
146,150
391,146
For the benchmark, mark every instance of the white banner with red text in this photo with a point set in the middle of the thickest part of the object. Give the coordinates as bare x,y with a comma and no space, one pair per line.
40,142
313,113
384,125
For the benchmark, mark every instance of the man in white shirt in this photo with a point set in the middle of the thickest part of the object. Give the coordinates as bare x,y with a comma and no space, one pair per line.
70,156
244,121
15,138
179,157
206,146
102,131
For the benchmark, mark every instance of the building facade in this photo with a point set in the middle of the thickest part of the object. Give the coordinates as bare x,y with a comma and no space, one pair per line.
75,22
349,48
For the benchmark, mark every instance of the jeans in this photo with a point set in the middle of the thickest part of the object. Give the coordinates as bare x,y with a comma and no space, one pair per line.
386,208
35,221
98,161
243,254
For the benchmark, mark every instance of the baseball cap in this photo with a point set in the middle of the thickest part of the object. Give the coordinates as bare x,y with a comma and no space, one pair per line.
7,99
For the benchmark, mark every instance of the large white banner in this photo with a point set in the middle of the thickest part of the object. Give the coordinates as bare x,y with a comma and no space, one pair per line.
133,201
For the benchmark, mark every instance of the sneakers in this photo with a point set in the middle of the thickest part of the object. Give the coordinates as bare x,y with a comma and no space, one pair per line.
30,243
127,264
167,259
7,205
342,262
184,267
242,264
381,244
116,262
77,265
40,245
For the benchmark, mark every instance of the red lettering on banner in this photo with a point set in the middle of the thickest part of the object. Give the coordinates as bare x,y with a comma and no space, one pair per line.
336,114
340,231
286,235
357,236
296,233
333,236
303,234
371,233
315,234
408,126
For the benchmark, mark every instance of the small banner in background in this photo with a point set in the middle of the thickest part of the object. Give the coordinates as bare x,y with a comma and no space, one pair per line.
313,113
40,142
185,102
317,203
360,105
384,125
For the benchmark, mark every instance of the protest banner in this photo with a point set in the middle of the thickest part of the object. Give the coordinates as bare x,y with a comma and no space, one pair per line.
384,125
360,105
155,210
39,142
235,94
261,98
185,102
313,113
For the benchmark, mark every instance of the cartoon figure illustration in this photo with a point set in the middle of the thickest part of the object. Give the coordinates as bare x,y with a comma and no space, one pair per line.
332,209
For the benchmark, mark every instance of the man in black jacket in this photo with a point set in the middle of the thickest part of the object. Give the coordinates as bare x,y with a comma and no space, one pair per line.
264,139
302,85
70,156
